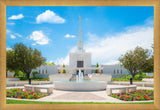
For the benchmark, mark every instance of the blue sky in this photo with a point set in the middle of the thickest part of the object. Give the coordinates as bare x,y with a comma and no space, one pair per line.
107,32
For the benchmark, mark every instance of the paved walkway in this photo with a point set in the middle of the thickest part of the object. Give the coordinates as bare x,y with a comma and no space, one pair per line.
79,96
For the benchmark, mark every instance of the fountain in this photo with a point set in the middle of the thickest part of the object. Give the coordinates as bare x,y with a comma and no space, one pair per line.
79,77
80,84
81,61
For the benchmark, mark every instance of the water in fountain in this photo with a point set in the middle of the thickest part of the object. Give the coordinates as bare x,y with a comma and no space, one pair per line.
79,77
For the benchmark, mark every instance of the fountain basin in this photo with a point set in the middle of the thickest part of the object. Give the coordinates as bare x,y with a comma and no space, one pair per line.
83,85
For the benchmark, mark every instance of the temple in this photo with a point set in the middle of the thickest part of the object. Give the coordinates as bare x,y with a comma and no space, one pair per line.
80,58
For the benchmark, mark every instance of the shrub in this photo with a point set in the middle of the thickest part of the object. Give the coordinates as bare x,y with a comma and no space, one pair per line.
128,76
140,75
34,73
63,71
19,74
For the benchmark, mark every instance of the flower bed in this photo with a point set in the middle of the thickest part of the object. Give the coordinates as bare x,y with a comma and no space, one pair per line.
10,77
21,94
139,95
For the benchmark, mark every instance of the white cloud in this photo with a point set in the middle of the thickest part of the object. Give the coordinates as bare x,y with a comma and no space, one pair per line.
9,49
39,37
8,31
69,36
107,49
49,17
33,44
12,36
17,34
50,61
61,61
10,23
15,17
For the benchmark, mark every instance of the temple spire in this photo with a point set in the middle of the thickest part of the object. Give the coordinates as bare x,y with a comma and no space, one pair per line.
80,34
80,44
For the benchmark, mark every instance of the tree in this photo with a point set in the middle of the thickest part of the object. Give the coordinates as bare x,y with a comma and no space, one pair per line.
135,61
97,65
97,71
22,58
63,70
149,65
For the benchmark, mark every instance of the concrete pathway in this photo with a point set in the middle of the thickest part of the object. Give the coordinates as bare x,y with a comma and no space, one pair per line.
80,96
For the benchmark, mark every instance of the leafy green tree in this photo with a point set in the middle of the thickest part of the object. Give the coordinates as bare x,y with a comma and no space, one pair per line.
149,65
22,58
135,61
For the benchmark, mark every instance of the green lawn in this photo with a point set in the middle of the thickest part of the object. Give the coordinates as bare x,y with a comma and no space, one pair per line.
37,102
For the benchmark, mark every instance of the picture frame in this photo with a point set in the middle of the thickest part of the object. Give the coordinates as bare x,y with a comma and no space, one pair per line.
5,3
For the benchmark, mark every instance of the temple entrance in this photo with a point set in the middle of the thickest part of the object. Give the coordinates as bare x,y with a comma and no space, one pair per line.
79,63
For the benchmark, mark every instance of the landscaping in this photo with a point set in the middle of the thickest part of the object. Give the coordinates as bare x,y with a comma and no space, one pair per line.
41,102
127,77
21,94
139,95
22,76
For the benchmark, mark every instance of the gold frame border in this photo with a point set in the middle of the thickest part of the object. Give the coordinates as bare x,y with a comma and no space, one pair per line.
155,3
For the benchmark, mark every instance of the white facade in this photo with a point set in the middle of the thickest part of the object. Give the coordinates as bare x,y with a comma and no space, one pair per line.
84,57
80,58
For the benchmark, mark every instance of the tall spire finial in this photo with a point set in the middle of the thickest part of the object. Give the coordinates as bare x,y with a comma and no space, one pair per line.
80,35
80,44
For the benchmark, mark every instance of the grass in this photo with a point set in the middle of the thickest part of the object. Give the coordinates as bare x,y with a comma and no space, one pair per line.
38,102
123,79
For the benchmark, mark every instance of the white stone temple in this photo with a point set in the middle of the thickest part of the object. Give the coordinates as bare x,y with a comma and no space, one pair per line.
80,58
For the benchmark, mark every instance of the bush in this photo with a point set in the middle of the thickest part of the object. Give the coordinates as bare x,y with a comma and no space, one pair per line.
34,73
128,76
63,71
19,74
140,75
